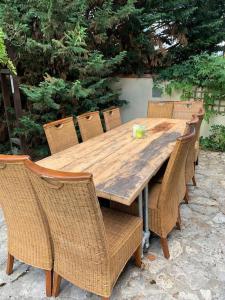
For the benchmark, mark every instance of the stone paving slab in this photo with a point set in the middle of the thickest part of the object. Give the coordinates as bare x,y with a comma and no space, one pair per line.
195,271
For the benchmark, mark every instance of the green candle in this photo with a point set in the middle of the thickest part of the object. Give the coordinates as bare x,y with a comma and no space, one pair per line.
139,132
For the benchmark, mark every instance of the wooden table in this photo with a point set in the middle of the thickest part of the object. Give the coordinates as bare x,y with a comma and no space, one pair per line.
121,165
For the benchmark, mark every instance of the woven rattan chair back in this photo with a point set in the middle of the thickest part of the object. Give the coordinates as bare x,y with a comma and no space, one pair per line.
112,118
192,126
173,184
61,134
185,109
162,109
28,234
76,225
90,125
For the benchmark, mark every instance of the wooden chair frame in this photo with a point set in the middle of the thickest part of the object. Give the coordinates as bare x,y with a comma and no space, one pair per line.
185,109
90,125
160,109
61,134
112,118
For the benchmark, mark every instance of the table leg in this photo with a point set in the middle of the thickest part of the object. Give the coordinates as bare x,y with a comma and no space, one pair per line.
140,205
146,223
143,213
140,212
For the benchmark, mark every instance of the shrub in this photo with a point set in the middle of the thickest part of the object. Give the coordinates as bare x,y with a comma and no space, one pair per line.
5,62
61,67
204,73
216,139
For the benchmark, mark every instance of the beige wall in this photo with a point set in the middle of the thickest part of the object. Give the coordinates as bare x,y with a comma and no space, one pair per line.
137,91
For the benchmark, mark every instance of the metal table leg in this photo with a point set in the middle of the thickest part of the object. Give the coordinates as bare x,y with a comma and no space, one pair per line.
146,223
143,213
140,207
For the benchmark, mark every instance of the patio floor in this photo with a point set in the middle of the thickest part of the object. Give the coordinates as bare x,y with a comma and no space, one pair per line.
195,271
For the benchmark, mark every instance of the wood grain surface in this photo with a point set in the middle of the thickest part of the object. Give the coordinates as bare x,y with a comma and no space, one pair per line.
121,165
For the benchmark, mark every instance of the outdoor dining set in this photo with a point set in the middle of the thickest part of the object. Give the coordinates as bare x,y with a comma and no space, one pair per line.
83,212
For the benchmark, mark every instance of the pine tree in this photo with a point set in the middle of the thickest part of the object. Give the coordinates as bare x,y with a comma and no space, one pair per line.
160,33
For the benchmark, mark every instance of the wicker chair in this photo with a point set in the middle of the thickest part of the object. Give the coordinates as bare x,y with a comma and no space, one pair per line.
28,234
162,109
112,118
61,134
90,125
91,247
165,197
197,148
185,109
192,126
166,193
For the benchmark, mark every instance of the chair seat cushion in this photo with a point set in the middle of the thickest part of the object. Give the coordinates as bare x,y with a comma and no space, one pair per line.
119,227
124,235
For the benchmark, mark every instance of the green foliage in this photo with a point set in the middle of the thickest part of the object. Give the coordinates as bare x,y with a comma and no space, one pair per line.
216,139
28,127
160,33
5,148
5,62
203,73
153,33
67,53
62,68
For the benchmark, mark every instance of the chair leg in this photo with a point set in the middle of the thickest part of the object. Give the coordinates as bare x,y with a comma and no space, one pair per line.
10,261
186,197
137,256
56,284
165,248
194,181
48,283
196,163
178,223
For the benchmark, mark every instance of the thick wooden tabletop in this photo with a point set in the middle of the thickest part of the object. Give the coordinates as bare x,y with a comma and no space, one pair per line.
121,165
